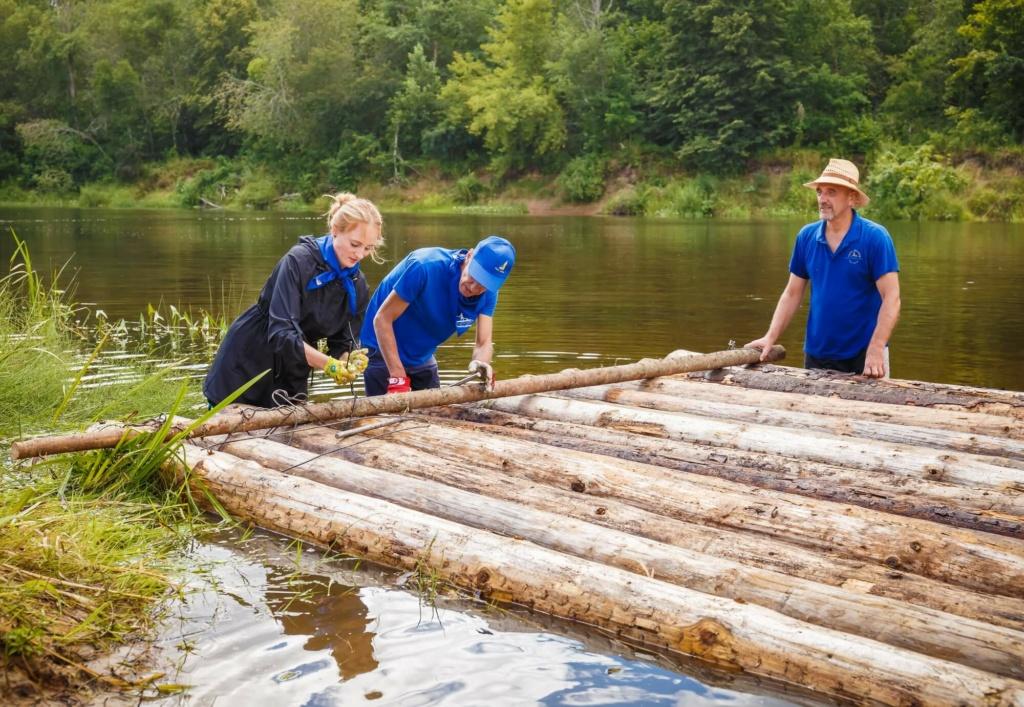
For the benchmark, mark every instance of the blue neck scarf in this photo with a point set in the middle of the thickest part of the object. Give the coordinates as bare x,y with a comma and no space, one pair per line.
335,272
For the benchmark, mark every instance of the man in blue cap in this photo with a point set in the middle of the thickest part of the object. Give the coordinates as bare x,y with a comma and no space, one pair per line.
432,294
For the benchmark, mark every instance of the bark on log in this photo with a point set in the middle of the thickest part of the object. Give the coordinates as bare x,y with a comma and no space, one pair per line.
247,420
916,462
936,418
1000,451
937,634
894,392
408,457
736,636
959,506
988,563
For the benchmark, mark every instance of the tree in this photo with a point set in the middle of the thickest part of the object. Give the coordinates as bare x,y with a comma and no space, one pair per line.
990,77
508,98
416,108
727,83
592,79
916,100
831,63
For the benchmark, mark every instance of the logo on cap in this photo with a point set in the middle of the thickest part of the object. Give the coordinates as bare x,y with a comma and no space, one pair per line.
501,268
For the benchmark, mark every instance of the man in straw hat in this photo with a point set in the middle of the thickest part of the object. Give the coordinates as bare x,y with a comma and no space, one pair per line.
855,290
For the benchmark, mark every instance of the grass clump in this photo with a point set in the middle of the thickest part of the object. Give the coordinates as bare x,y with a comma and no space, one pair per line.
90,543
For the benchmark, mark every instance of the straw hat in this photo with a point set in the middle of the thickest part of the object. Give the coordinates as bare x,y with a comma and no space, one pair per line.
842,173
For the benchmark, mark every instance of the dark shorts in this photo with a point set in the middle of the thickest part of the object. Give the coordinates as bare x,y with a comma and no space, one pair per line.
376,375
843,365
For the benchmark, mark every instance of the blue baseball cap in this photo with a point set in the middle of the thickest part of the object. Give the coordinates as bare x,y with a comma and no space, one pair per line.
492,261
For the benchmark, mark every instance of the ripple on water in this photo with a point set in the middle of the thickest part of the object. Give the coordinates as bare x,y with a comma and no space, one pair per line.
262,633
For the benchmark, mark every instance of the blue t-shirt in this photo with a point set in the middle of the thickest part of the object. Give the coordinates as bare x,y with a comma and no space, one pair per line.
844,297
428,279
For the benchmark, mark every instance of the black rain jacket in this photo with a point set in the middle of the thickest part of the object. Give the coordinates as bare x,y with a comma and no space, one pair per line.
270,334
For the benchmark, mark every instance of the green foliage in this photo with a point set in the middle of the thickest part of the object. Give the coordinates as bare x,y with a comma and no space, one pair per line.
990,76
583,178
56,153
915,102
915,184
630,201
213,185
1003,200
468,189
726,83
508,99
304,96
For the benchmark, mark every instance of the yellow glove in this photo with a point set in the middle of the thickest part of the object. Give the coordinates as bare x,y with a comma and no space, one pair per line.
358,361
346,369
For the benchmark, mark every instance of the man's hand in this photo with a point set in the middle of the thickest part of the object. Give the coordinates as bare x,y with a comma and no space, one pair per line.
874,362
399,384
486,372
765,343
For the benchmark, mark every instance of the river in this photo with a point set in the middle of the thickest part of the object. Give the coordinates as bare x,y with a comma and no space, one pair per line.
274,624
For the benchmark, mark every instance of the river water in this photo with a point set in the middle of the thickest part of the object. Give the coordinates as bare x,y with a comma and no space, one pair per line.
274,624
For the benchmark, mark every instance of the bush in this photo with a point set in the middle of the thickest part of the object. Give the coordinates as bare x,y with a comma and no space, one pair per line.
914,184
257,192
628,202
694,198
1002,201
468,189
53,180
212,185
583,179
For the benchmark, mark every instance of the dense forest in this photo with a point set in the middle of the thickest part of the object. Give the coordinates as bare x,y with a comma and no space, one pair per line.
648,106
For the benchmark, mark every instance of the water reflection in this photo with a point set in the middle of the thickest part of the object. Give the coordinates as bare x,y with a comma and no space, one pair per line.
270,625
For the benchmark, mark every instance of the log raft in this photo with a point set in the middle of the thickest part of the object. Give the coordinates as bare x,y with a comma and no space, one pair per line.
863,540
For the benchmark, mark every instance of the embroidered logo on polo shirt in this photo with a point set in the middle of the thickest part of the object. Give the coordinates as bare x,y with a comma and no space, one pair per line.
853,256
462,322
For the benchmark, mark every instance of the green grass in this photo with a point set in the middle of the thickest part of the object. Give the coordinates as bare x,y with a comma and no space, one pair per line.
90,543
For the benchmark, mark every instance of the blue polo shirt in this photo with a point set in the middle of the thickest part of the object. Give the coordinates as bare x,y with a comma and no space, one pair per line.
428,279
844,297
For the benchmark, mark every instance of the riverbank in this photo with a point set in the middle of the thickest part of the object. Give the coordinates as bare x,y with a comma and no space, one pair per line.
904,183
90,544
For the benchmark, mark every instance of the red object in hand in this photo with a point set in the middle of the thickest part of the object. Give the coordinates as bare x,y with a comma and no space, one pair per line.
399,384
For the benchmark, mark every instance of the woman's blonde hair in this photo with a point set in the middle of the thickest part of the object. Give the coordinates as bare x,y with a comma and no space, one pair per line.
347,210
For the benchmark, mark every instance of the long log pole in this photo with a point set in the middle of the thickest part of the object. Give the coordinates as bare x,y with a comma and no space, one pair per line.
1009,452
919,393
916,462
248,420
951,504
742,637
915,628
915,416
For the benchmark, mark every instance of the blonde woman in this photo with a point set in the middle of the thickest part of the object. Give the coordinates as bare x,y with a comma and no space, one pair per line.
315,292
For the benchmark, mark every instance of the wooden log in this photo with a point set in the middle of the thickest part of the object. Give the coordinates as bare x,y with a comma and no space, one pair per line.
736,636
916,462
937,634
246,420
988,563
890,391
406,457
1000,451
974,423
959,506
